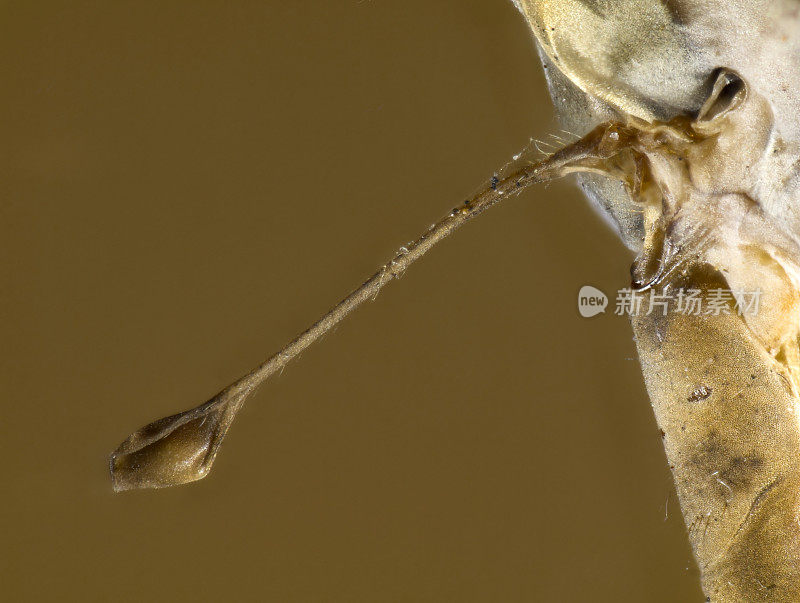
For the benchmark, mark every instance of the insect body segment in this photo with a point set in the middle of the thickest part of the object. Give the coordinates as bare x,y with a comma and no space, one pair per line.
705,189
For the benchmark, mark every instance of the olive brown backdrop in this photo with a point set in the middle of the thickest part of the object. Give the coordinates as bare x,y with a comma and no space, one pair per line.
187,185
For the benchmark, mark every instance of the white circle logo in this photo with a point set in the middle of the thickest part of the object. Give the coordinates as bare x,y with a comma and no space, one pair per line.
591,301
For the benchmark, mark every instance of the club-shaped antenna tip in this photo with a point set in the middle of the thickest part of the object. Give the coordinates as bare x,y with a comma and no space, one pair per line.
174,450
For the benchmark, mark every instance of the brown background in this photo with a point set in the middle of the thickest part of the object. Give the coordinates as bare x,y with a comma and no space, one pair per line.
185,186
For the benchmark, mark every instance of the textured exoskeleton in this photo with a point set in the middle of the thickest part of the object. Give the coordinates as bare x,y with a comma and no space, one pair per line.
705,95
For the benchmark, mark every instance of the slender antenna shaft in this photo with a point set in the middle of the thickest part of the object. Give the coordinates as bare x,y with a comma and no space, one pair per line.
181,448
